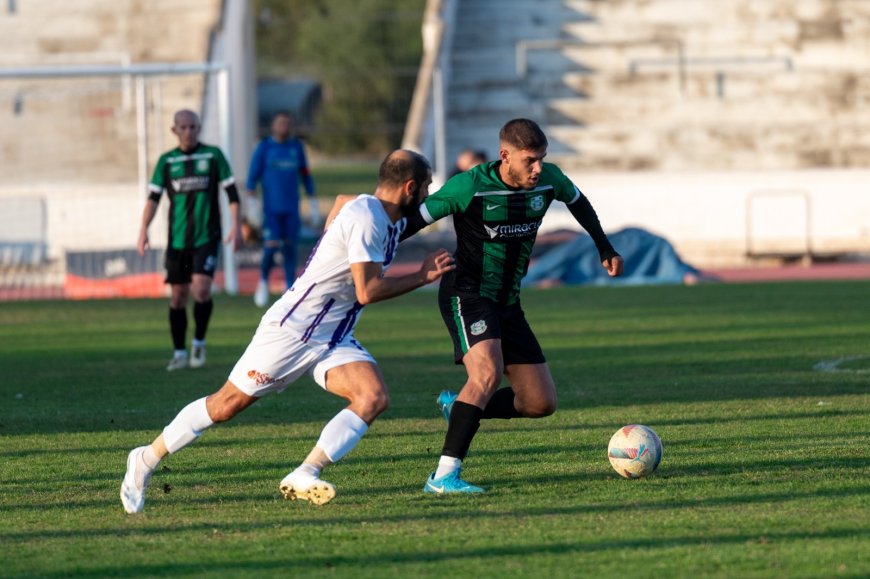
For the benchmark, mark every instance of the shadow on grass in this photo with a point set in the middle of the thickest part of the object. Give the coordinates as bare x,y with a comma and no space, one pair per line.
216,476
455,510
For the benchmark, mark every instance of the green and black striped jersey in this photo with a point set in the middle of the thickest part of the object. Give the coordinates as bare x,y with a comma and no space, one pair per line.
192,181
496,226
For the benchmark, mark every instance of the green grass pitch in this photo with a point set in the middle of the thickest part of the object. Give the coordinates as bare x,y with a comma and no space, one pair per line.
765,468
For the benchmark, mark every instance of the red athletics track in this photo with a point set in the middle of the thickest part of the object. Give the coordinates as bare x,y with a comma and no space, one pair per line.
248,279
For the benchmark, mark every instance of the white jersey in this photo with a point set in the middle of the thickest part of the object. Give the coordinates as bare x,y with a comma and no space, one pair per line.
321,307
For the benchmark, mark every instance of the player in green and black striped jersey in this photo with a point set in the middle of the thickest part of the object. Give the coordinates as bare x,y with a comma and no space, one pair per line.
497,209
192,175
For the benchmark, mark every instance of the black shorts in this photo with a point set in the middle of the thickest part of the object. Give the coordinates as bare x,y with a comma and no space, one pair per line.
181,264
471,318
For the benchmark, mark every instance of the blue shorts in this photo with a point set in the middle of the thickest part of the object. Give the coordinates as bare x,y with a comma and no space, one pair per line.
280,226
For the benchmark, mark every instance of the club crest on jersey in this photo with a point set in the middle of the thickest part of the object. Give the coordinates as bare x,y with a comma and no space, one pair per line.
537,203
202,166
478,327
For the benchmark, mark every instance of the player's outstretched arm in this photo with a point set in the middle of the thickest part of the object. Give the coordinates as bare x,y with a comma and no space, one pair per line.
587,218
371,286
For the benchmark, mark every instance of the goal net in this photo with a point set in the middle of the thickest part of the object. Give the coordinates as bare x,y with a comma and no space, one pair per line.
79,145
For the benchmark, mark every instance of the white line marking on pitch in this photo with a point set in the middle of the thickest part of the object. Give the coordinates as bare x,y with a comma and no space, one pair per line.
834,365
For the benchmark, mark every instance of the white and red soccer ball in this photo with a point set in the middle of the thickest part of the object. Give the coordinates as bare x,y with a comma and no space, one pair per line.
635,451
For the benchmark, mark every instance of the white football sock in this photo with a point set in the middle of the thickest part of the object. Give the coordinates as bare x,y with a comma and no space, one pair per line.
150,459
341,434
187,426
446,465
146,462
308,469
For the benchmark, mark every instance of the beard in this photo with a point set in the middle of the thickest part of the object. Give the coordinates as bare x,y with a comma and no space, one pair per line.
524,181
412,207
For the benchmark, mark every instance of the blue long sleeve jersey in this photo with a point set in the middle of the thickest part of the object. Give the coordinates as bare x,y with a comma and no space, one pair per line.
279,167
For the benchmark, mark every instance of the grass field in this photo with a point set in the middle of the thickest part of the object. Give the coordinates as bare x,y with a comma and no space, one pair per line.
765,469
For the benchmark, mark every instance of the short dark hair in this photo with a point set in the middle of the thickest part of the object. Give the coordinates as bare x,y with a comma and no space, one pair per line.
523,134
403,165
284,113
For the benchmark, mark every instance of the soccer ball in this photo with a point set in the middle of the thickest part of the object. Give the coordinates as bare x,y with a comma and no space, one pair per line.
635,451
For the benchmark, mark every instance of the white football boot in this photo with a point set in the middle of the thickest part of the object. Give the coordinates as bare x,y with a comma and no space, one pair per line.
306,487
197,358
135,483
177,362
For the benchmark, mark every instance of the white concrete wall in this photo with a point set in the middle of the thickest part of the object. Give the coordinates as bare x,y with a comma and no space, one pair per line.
706,215
98,217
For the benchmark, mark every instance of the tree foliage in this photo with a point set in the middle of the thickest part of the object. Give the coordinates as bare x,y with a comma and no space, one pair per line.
365,54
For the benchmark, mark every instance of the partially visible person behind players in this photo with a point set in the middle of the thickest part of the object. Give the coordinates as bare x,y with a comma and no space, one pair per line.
497,208
309,330
278,164
468,159
192,175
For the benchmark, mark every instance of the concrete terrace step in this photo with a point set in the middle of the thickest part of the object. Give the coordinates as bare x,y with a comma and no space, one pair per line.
716,146
691,13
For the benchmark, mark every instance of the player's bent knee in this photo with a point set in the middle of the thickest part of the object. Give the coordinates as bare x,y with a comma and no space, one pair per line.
539,411
222,413
485,379
227,403
373,403
537,408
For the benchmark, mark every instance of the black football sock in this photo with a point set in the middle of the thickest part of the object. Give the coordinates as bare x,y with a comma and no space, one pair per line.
201,315
178,326
501,405
464,422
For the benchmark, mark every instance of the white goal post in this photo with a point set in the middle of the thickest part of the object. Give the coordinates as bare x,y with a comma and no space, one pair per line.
90,106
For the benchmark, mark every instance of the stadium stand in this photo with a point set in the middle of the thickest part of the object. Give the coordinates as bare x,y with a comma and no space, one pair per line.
737,129
669,84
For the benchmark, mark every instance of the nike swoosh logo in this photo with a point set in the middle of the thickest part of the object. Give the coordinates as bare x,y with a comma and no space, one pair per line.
439,490
491,207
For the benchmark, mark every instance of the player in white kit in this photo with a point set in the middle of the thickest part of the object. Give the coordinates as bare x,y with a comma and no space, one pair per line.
309,330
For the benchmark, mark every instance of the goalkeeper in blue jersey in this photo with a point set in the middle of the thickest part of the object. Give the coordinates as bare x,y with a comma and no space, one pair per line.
278,165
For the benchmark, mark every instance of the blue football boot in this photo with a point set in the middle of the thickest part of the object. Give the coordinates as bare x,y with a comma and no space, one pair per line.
449,484
445,402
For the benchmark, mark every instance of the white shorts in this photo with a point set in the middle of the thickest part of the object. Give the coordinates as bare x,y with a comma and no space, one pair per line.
276,358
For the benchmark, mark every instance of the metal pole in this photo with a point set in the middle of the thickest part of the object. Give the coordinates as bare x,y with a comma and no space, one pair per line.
231,272
142,134
439,117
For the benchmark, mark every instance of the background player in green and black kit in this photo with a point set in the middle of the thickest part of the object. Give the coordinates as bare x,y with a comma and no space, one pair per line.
497,208
192,175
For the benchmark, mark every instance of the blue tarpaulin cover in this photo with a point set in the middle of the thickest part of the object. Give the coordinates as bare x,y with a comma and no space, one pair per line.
649,259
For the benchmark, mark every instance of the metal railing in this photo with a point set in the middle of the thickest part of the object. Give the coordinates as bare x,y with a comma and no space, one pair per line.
523,48
719,63
680,61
